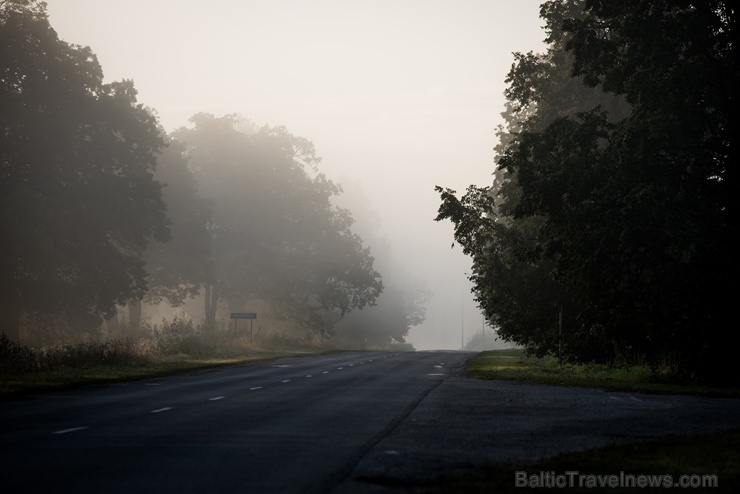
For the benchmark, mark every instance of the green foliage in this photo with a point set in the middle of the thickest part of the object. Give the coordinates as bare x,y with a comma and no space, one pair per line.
169,338
14,357
518,365
176,269
79,201
615,189
19,359
179,336
89,354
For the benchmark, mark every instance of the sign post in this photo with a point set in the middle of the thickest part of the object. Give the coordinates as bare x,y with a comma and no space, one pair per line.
244,315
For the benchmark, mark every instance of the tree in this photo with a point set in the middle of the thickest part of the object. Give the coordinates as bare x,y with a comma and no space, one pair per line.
275,234
79,202
634,195
514,282
670,179
177,268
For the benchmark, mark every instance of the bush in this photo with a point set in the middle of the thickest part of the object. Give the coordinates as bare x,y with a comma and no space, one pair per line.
16,358
179,337
91,353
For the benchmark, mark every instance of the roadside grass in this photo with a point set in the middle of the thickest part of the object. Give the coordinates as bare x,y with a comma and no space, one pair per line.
62,378
24,370
514,364
712,454
701,457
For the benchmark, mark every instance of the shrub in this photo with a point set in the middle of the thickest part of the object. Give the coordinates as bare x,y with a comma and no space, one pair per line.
179,337
16,358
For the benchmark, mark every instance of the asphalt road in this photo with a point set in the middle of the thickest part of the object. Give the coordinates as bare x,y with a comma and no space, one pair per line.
292,425
342,424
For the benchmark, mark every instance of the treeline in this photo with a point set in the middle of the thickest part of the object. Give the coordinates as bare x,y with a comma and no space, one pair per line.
101,209
615,201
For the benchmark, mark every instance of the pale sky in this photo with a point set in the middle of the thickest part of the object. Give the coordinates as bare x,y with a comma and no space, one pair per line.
398,95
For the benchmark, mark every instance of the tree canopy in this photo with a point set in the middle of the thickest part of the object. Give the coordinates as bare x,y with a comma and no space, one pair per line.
77,156
615,192
100,209
275,234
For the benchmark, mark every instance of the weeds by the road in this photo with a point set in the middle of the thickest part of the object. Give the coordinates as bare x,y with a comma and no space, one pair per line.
164,349
514,364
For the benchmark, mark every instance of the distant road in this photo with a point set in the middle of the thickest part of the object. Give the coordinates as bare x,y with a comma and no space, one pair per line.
290,425
344,423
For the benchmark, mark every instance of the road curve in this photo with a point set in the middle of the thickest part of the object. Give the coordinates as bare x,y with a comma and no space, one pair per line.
284,426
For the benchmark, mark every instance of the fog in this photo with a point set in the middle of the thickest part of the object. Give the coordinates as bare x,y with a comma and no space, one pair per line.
397,96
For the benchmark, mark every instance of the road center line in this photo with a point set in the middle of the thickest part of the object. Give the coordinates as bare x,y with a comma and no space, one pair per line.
71,429
160,410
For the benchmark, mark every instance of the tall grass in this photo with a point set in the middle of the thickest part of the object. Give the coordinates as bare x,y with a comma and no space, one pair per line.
176,337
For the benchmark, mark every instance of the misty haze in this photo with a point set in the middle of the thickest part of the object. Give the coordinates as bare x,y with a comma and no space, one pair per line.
286,246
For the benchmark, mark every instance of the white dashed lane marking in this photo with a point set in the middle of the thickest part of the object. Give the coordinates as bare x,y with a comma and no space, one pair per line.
216,398
160,410
71,429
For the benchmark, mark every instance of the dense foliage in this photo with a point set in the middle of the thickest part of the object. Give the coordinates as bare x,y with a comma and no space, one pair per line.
77,156
615,191
101,210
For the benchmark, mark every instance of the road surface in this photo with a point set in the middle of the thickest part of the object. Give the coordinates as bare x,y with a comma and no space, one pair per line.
291,425
341,423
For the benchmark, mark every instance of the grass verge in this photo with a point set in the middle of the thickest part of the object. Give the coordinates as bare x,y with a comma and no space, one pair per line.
69,377
697,456
515,365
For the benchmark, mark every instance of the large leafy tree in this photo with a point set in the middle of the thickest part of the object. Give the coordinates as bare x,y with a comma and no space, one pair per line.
79,202
275,234
514,282
664,183
636,208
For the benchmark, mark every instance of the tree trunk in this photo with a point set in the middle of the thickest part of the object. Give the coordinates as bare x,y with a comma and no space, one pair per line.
211,304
